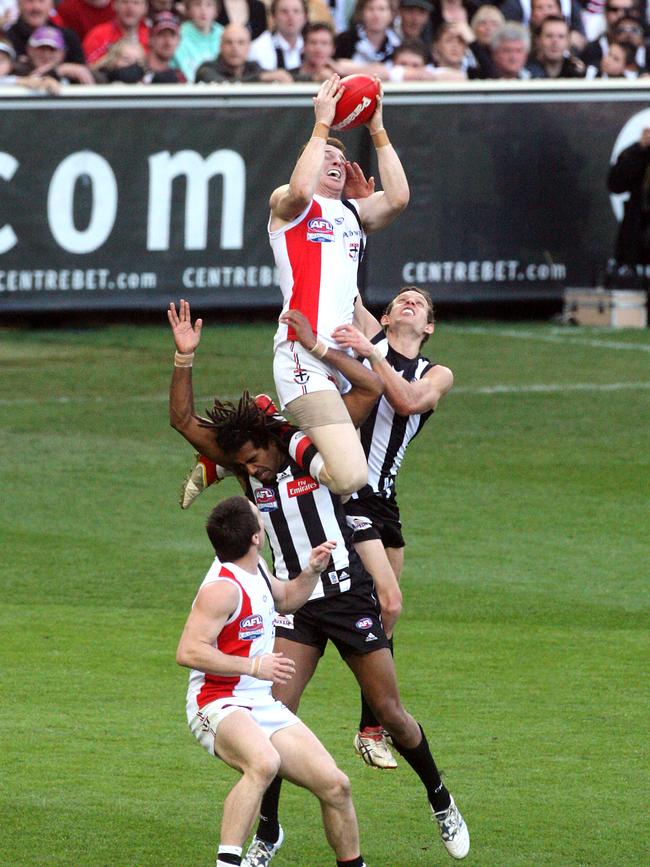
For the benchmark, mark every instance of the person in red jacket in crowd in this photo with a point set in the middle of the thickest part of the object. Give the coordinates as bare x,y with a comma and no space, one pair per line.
82,15
128,22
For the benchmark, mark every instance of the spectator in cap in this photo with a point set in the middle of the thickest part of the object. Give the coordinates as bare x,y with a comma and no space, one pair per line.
45,56
414,20
82,15
250,13
163,43
8,76
510,49
232,64
38,13
552,56
128,23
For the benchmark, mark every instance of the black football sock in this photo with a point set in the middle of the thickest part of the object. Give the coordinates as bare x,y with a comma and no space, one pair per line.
229,855
353,862
421,760
368,719
268,828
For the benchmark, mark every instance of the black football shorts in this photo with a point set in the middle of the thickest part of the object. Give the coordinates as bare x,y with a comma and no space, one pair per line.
350,620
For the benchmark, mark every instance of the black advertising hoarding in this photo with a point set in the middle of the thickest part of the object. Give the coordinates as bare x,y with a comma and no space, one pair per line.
116,201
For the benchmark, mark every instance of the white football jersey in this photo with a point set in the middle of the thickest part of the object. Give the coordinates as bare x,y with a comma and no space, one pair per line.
317,256
248,632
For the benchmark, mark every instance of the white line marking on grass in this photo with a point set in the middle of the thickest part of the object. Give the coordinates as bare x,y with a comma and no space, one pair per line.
551,388
540,388
550,338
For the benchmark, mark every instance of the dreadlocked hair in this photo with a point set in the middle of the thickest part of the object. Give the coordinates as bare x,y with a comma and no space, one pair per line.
235,425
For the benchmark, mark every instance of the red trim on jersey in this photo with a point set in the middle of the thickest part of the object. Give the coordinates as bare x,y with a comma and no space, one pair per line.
303,444
305,259
228,641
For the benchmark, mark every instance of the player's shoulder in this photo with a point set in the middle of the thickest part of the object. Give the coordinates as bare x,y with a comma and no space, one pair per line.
439,375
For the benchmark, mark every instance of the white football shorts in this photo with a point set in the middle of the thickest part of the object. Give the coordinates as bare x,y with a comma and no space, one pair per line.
296,372
269,714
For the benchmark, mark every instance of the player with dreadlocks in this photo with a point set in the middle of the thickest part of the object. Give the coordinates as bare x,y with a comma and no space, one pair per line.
298,513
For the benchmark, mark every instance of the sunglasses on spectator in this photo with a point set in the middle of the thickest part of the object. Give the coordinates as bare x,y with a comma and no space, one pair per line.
619,8
629,28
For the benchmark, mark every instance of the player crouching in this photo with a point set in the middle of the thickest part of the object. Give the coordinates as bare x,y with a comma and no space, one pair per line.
228,643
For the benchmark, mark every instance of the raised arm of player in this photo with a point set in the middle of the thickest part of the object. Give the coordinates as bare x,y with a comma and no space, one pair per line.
406,398
290,595
196,649
380,209
366,385
288,201
182,416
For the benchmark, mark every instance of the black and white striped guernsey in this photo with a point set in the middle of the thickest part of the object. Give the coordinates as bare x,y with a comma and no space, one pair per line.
299,514
385,434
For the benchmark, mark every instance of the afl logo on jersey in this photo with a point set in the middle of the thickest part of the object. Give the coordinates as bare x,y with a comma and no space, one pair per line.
266,500
251,627
319,230
364,623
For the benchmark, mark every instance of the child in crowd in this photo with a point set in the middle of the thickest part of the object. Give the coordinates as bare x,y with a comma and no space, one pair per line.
125,63
200,37
33,82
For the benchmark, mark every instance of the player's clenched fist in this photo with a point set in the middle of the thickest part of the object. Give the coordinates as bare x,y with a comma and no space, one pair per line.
276,667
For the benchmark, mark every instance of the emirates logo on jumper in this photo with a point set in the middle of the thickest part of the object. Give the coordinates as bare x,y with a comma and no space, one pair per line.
303,485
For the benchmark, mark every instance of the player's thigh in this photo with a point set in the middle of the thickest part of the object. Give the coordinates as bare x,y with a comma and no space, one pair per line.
306,658
304,759
319,409
241,743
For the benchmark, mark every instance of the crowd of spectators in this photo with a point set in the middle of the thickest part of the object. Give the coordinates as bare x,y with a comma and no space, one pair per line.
44,43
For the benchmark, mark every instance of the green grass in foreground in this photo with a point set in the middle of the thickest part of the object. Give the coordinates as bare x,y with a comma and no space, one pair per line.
522,648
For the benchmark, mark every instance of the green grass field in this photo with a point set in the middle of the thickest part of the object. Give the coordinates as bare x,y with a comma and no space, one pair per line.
523,647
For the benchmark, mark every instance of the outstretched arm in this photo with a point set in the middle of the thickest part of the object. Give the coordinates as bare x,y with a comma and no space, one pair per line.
406,398
181,395
290,200
380,209
366,385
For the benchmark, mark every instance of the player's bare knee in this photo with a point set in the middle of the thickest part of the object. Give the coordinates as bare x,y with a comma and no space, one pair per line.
349,482
265,768
335,788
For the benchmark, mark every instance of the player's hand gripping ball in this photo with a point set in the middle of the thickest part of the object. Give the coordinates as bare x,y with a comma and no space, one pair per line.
358,102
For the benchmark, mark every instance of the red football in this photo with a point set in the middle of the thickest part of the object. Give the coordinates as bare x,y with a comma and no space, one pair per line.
358,102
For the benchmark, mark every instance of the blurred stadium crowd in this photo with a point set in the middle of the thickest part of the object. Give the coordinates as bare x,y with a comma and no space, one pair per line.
83,42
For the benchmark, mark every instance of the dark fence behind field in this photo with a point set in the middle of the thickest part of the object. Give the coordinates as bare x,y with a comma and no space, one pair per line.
125,198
